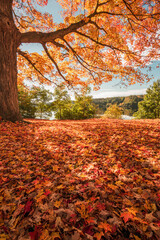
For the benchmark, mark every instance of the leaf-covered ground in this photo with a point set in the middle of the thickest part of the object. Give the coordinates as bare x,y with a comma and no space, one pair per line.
95,179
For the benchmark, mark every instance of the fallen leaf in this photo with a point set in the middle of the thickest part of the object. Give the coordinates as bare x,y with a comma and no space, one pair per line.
150,217
127,216
98,235
105,226
59,223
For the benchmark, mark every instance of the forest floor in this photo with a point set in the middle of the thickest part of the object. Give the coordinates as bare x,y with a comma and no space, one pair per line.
93,179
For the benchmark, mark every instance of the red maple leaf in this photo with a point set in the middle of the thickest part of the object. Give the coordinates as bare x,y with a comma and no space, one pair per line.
126,216
27,207
47,192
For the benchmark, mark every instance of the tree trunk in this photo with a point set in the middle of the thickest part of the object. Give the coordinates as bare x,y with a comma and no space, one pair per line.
9,41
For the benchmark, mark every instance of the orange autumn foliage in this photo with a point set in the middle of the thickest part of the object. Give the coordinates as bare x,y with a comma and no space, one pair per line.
96,41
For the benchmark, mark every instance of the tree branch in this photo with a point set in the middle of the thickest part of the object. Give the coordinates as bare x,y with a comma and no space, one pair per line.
81,61
54,62
40,37
102,44
130,9
101,4
25,55
60,45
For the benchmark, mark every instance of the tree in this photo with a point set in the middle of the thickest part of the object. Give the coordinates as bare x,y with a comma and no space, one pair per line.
64,108
113,111
27,108
150,106
41,98
97,41
83,107
35,102
62,104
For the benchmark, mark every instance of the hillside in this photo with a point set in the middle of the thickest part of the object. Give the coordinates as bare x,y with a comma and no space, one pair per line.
128,104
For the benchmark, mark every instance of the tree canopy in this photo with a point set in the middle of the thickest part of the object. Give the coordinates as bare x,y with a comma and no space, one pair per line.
26,105
34,102
81,108
113,111
150,106
42,99
84,107
96,41
62,104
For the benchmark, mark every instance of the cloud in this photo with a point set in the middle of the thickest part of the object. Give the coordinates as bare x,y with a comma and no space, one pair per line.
110,93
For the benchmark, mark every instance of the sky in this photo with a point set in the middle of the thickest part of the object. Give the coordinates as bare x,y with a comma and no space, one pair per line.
110,89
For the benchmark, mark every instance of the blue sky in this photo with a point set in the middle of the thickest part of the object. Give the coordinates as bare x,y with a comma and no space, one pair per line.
110,89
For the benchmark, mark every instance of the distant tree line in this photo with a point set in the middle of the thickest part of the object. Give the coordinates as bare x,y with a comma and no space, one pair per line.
128,105
40,103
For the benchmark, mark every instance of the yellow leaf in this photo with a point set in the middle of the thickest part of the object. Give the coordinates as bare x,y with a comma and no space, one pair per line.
71,188
60,187
59,222
45,235
57,204
70,166
154,208
40,192
112,186
3,237
119,183
82,211
99,235
132,210
137,238
83,175
71,19
55,168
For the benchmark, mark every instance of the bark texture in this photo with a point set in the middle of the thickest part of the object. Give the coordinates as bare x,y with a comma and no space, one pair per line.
9,41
